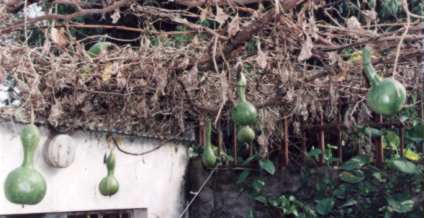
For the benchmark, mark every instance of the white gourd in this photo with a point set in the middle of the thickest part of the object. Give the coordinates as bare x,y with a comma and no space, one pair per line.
60,151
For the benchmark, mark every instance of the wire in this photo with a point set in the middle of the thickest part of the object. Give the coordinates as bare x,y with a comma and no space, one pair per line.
136,154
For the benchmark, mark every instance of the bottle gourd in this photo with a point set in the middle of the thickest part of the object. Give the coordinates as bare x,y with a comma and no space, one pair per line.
246,134
209,158
244,113
25,185
109,185
386,96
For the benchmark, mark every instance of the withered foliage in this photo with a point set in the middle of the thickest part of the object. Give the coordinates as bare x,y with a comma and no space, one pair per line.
296,63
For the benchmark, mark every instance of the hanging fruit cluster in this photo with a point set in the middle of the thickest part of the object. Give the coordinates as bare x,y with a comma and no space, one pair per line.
386,96
25,185
109,185
244,114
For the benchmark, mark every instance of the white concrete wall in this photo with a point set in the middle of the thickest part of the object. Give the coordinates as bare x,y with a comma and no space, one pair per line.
153,181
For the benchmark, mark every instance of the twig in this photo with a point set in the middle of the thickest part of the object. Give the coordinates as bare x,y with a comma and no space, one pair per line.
407,26
68,17
199,191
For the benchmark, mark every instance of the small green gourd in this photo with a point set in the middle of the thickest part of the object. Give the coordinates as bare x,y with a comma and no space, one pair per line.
109,185
25,185
209,158
245,134
244,113
98,48
386,96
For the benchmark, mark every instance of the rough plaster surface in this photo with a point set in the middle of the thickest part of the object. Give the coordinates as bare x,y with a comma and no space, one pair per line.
154,181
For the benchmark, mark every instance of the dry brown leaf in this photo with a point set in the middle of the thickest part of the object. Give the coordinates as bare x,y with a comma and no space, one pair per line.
353,24
261,58
107,72
204,14
58,37
234,26
56,113
221,16
306,51
116,16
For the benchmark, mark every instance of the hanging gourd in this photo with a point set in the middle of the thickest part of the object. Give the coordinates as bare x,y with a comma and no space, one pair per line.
60,152
25,185
209,158
245,134
244,113
109,185
386,96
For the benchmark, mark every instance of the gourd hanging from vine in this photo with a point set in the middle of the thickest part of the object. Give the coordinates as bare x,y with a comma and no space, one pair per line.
245,134
25,185
209,157
386,96
109,185
244,113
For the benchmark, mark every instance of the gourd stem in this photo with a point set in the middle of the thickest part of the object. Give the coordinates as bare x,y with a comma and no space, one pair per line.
208,132
242,93
241,87
369,70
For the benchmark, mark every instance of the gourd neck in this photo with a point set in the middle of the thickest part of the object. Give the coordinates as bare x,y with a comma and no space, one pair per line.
208,133
28,157
110,172
109,160
373,78
241,87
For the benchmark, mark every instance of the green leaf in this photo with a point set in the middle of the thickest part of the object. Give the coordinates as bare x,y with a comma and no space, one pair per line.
243,176
257,185
340,191
391,140
325,206
356,163
404,166
349,203
411,155
369,131
250,159
268,166
378,176
352,177
400,203
250,214
261,199
314,153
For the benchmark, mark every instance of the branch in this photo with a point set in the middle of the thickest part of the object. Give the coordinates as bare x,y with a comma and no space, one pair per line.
197,3
68,17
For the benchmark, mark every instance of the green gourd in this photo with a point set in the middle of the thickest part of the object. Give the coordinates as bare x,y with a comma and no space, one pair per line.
244,113
209,158
386,96
25,185
109,185
98,48
245,134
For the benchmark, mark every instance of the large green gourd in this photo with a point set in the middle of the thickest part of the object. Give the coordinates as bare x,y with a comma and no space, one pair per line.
386,96
25,185
109,184
209,157
244,113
